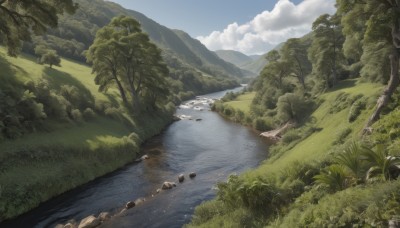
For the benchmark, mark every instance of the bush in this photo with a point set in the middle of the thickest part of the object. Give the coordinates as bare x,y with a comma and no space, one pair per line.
89,114
113,113
263,124
292,107
229,111
356,109
341,137
77,115
290,136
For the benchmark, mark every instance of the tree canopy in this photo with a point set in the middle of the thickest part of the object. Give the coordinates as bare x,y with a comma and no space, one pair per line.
123,56
20,18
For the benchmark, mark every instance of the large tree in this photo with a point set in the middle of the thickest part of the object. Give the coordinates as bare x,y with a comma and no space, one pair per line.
20,18
326,49
123,55
294,52
382,19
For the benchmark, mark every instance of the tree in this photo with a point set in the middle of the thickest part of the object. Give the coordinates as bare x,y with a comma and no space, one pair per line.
20,18
291,107
123,55
50,57
325,51
382,26
294,52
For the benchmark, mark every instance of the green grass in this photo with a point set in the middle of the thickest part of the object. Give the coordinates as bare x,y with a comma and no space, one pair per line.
242,102
315,147
318,144
63,155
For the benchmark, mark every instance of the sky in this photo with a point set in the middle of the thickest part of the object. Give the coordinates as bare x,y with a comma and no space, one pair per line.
251,27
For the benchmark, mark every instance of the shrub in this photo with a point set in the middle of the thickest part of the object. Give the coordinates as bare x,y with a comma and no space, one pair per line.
229,111
292,107
263,124
113,112
356,109
341,137
291,136
89,114
77,115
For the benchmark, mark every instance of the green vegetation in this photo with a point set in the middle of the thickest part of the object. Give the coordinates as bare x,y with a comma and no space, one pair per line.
331,169
58,131
193,69
22,18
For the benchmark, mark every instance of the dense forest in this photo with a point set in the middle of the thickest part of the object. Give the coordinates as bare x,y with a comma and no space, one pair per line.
335,159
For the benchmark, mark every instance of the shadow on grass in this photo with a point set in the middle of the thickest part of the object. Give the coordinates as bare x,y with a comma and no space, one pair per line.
56,79
9,83
344,85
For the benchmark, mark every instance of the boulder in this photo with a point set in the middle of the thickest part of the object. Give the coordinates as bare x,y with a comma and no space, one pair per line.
145,157
192,175
130,204
199,119
89,222
158,190
168,185
181,178
104,216
69,225
139,201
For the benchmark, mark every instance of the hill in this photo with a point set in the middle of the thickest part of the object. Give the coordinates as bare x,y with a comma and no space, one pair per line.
181,52
58,132
234,57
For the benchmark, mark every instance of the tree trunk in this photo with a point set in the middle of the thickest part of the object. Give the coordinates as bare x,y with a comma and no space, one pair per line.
394,77
301,75
389,90
121,91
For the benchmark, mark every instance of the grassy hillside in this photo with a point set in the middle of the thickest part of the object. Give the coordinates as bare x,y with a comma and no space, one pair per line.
234,57
56,153
251,201
75,34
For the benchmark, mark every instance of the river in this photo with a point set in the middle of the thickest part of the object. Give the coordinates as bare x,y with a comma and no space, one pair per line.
212,147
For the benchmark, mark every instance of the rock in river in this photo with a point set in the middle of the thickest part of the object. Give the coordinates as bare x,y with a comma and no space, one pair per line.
130,204
89,222
181,178
168,185
104,216
192,175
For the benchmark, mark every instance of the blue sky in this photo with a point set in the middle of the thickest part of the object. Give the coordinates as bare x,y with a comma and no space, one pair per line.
252,27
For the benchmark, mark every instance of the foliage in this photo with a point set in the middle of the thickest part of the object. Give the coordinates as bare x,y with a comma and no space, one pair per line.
51,58
263,124
292,107
122,55
342,136
325,53
334,177
19,19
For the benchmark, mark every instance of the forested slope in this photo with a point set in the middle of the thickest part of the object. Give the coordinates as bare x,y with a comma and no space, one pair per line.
186,57
338,164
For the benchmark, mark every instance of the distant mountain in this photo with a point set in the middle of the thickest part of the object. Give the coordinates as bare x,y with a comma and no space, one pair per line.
182,53
255,57
234,57
259,61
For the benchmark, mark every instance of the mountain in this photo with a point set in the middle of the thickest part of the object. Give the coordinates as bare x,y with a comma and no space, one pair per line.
234,57
185,56
255,57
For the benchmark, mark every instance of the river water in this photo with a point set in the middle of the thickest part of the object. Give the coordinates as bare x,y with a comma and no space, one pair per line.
212,147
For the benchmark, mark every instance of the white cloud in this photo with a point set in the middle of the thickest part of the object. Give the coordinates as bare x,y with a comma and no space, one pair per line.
269,28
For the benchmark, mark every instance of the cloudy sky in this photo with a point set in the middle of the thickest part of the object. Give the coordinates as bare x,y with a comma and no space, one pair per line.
251,27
